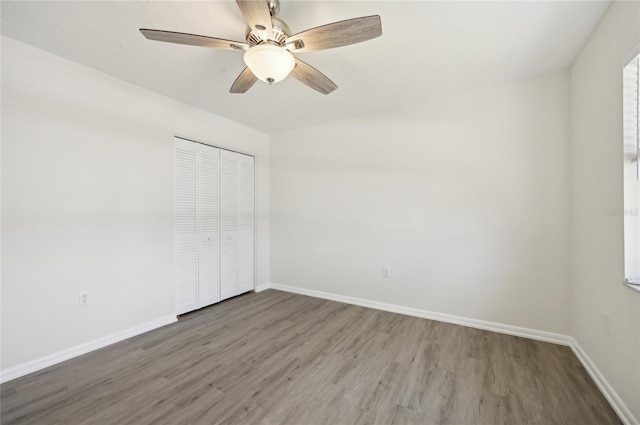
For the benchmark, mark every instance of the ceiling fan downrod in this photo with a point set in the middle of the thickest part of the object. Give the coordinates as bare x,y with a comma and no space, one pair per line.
274,7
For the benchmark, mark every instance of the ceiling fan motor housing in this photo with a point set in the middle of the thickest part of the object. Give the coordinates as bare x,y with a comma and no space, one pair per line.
281,32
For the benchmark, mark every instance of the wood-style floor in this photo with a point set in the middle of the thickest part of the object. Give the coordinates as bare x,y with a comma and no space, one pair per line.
279,358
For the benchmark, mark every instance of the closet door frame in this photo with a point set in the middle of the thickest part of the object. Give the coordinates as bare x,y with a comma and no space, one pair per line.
181,138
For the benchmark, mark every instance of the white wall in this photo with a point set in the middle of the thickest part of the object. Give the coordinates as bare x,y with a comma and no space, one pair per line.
465,198
596,99
87,201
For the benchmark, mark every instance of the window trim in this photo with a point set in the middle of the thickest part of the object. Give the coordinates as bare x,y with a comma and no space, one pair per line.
632,283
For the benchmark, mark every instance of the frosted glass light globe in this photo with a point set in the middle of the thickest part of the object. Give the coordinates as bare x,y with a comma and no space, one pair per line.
269,63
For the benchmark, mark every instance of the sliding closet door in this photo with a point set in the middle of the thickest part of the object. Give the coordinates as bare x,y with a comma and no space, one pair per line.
186,243
208,226
246,220
228,224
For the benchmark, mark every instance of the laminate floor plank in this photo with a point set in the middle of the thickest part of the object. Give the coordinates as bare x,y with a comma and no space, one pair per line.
281,358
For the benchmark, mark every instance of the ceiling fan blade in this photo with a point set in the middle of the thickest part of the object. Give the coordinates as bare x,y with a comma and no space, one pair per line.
244,82
337,34
193,39
312,77
257,15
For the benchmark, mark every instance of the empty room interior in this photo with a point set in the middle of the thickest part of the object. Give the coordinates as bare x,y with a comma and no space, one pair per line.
320,212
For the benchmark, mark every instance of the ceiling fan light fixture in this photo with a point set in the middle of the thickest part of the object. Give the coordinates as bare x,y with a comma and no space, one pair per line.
269,63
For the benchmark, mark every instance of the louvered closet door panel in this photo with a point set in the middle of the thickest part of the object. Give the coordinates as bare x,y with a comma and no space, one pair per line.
208,224
246,222
186,226
228,224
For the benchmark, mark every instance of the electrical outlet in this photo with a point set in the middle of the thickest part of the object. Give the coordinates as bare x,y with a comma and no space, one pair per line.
83,299
607,324
385,272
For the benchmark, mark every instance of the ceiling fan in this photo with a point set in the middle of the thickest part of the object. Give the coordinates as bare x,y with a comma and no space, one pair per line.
269,45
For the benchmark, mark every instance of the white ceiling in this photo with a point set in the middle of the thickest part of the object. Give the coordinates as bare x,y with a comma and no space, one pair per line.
427,49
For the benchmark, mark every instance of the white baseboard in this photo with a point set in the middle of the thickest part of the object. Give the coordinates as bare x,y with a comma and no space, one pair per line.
607,390
37,364
263,287
425,314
